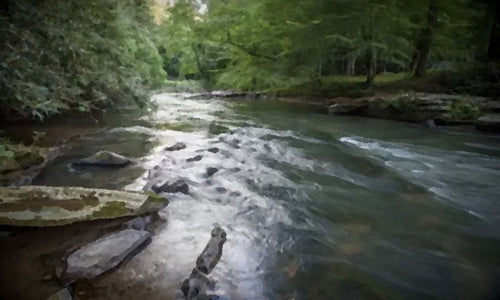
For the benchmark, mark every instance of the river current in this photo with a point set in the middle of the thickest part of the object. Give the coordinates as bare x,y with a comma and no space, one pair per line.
314,206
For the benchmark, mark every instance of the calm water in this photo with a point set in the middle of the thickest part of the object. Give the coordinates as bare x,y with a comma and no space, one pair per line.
315,207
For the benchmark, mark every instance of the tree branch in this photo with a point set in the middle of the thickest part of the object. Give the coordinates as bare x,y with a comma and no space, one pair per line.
248,51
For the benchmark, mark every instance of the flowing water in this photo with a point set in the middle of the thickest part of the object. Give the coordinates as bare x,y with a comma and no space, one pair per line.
314,206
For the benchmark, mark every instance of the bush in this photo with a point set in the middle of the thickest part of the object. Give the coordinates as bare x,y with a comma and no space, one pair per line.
59,55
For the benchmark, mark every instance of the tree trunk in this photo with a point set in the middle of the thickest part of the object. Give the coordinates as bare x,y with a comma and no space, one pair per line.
351,65
425,42
372,67
414,60
494,46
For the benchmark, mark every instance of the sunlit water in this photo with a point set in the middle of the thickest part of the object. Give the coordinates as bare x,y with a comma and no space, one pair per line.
315,207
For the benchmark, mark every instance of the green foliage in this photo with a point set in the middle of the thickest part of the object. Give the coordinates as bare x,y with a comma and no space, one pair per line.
275,45
463,110
75,55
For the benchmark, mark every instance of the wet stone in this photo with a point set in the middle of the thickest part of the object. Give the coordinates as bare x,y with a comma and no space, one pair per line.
139,223
197,284
220,190
63,294
196,158
211,171
213,150
176,147
179,186
104,253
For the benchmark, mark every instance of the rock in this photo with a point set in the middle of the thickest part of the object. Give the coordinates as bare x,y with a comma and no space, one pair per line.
103,159
63,294
220,190
6,234
47,277
104,253
179,186
53,206
139,223
211,171
176,147
26,163
197,284
213,150
216,129
412,107
196,158
220,94
345,106
491,106
430,124
490,123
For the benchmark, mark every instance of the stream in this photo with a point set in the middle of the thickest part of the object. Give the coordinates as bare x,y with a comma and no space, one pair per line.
314,206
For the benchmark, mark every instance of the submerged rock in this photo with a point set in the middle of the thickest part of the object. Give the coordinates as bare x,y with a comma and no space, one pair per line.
103,159
211,171
490,122
215,128
53,206
179,186
104,254
176,147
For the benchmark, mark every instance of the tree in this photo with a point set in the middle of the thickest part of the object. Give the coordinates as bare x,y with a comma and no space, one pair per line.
494,44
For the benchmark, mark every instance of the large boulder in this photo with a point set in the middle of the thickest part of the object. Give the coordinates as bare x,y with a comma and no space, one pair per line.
104,254
490,122
52,206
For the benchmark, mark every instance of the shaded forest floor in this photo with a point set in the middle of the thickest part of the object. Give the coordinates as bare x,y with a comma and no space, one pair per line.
481,82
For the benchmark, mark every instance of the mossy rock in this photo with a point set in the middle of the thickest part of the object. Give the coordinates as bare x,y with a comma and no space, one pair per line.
216,128
52,206
23,163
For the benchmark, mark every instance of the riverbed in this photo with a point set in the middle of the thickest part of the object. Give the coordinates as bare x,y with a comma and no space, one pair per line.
314,206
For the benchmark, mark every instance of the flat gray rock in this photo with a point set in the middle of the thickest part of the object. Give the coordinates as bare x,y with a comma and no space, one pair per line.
104,253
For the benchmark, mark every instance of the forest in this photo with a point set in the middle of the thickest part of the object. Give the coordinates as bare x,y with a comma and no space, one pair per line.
58,56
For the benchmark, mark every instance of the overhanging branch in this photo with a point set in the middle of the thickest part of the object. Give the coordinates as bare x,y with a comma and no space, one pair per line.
248,51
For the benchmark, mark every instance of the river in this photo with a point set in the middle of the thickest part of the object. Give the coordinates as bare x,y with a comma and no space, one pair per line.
314,206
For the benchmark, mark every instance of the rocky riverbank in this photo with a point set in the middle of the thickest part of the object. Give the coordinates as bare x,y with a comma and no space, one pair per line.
64,234
430,109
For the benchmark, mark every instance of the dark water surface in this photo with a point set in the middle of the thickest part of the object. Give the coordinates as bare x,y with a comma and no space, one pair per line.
315,207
